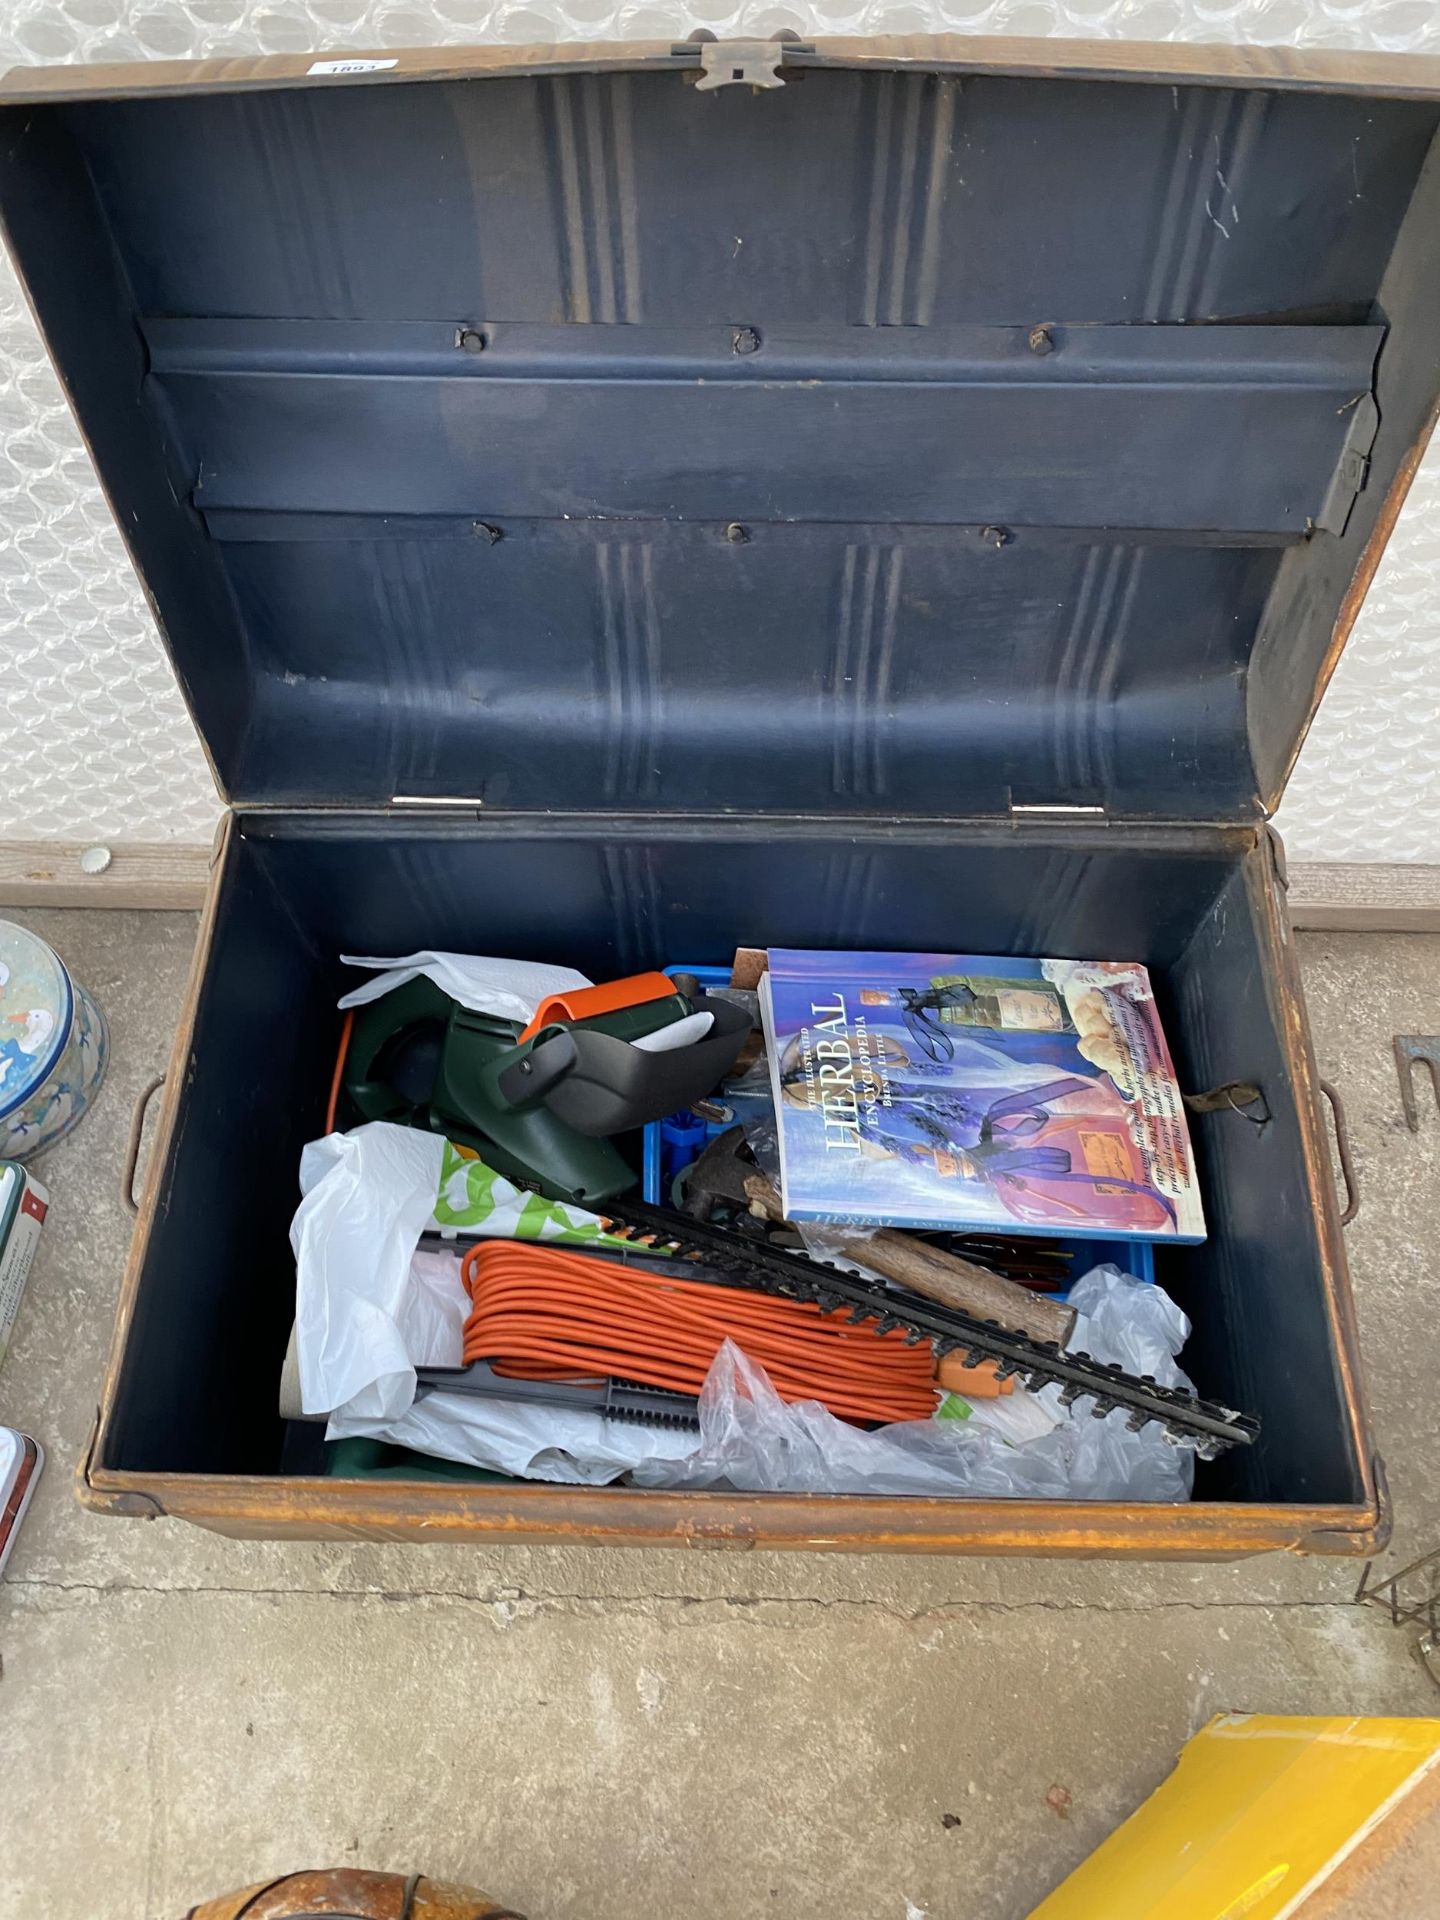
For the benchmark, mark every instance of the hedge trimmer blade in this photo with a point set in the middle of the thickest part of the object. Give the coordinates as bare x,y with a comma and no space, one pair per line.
740,1261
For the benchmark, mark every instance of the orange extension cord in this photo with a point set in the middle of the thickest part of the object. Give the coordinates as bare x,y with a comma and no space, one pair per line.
540,1313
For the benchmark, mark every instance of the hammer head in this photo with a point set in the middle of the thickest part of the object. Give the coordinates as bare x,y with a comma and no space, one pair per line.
717,1178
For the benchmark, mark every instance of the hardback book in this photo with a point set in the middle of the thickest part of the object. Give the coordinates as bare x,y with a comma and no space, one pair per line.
958,1091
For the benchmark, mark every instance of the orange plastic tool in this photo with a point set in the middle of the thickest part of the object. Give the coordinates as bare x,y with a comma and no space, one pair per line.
586,1003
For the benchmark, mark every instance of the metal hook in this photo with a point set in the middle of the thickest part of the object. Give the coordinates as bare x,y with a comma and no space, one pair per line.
1410,1048
1342,1148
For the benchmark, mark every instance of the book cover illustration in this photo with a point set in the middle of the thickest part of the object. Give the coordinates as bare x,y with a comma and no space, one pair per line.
954,1090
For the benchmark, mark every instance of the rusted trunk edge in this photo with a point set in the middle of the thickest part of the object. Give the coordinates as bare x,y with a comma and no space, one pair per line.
1287,69
253,1507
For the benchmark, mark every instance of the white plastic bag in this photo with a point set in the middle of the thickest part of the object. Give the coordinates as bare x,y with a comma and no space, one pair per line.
752,1441
368,1197
370,1309
475,1199
510,989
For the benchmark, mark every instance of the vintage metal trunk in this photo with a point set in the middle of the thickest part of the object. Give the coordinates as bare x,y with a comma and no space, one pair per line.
611,503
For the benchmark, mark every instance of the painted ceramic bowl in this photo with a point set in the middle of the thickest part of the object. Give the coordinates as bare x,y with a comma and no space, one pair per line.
53,1046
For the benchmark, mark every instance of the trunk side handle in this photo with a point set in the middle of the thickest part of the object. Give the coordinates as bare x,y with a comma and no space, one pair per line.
137,1135
1342,1148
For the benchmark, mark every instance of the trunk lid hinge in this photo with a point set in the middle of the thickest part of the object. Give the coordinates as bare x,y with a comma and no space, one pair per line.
1353,467
1058,810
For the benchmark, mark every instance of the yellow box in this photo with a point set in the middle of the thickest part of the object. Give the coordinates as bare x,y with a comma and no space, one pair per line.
1258,1813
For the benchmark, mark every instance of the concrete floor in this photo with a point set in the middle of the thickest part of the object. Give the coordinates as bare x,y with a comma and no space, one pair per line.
605,1734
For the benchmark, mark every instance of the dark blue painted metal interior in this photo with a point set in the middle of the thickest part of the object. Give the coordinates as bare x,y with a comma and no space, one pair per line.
903,554
299,891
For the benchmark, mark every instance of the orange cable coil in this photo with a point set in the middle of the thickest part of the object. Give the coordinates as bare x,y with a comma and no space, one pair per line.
539,1313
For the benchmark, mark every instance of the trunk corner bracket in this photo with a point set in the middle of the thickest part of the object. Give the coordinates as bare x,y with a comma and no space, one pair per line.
131,1505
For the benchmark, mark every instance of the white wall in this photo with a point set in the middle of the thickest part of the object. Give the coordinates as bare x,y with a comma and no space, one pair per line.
94,740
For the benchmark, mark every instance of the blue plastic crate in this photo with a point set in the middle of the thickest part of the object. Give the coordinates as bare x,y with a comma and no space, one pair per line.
1135,1257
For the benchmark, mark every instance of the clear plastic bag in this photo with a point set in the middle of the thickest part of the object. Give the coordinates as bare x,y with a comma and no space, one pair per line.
752,1441
1136,1325
1120,1319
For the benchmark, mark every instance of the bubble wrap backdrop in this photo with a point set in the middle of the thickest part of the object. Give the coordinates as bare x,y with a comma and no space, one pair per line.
95,739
